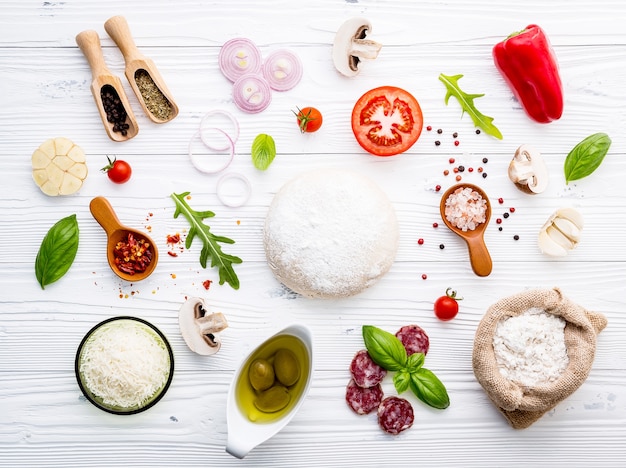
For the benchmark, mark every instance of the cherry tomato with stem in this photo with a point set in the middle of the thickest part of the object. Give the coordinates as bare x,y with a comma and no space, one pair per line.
118,171
446,307
309,119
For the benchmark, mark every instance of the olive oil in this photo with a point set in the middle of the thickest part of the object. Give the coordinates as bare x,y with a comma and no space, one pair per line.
246,395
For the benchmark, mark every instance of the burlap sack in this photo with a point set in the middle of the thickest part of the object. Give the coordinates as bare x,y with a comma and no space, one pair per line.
520,405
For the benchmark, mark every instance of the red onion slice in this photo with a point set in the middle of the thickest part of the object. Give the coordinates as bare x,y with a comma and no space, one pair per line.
204,130
194,157
238,57
282,70
252,93
247,190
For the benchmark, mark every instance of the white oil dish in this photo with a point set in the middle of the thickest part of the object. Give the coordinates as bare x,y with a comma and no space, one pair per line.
250,421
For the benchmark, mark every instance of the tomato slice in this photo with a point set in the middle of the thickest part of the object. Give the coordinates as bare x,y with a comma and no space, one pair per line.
387,121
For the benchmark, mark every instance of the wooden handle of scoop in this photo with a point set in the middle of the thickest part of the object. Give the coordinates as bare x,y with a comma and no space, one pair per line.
103,212
117,28
89,43
479,255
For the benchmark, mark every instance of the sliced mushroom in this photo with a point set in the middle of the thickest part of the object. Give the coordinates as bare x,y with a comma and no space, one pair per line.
528,171
351,46
561,233
200,331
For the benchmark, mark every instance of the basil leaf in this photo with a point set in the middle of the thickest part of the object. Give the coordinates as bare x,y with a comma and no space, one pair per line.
429,389
401,380
57,251
385,349
415,361
586,156
263,151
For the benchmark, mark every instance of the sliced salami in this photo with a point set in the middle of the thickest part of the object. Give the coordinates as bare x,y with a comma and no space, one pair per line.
365,372
363,400
414,339
395,415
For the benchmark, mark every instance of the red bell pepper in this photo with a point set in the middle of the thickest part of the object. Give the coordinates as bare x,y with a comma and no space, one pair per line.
528,64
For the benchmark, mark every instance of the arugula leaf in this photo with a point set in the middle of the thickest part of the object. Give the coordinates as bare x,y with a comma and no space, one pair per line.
263,151
586,156
385,349
211,247
57,251
429,389
467,105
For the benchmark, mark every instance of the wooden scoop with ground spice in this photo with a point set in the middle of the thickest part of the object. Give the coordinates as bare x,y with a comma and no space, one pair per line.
142,74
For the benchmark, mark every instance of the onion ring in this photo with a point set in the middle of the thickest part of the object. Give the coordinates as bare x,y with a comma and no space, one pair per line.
234,138
282,70
252,93
194,157
246,194
238,57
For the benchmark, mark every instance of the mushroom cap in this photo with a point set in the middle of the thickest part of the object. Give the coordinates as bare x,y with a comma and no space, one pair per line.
350,46
528,171
199,330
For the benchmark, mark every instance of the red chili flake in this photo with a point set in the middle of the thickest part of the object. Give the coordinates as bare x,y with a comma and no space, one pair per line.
175,239
512,210
429,128
132,256
451,160
437,188
446,172
501,200
458,178
172,254
456,142
424,276
435,225
499,221
238,222
207,284
420,241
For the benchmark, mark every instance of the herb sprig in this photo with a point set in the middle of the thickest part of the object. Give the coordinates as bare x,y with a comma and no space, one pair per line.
57,251
211,248
467,104
388,352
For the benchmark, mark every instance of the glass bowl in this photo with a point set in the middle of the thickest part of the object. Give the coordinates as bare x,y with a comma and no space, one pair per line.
104,365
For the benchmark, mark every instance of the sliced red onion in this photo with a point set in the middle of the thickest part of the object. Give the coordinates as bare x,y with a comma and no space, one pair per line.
239,57
246,193
194,158
252,93
203,130
282,70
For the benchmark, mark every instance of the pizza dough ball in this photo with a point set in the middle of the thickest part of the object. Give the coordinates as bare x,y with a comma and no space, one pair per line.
330,233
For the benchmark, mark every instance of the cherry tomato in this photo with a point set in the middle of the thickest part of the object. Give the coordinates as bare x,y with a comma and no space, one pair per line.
446,307
387,121
118,171
309,119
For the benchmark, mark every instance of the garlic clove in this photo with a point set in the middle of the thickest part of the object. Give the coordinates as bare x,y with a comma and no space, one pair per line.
561,233
549,247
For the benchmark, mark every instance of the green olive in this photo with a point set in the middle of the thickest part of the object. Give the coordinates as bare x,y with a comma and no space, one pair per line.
261,375
273,399
286,367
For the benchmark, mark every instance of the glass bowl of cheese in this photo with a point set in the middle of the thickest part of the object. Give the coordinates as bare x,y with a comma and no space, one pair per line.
124,365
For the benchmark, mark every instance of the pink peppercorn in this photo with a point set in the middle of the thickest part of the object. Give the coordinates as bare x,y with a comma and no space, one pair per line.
512,210
458,178
437,188
456,142
446,172
499,221
435,225
501,200
451,160
420,241
424,276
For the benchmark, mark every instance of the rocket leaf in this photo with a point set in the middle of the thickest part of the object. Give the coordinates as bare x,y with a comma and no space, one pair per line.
467,105
211,248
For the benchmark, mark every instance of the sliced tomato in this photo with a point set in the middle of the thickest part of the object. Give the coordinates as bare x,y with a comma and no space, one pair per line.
387,121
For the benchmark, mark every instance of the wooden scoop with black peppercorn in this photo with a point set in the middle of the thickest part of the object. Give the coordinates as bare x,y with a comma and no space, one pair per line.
108,92
142,74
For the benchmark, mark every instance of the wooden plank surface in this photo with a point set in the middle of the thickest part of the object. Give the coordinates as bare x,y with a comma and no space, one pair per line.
44,419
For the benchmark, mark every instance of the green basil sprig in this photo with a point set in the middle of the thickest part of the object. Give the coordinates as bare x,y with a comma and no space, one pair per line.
388,352
263,151
57,251
586,156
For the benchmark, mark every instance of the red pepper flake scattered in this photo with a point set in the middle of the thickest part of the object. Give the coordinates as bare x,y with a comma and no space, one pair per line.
172,254
424,276
420,241
175,239
132,256
173,275
238,222
207,284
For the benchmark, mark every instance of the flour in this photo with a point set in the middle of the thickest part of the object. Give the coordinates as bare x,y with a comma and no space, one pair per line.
330,233
530,348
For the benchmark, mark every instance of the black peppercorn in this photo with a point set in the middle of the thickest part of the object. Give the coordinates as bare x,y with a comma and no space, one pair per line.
485,160
484,175
505,215
516,237
441,246
437,143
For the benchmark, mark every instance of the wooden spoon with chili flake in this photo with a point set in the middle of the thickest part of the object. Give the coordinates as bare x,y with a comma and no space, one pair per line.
119,236
105,88
142,74
478,253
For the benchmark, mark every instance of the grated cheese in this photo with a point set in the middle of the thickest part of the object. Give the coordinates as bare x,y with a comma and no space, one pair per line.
124,363
530,348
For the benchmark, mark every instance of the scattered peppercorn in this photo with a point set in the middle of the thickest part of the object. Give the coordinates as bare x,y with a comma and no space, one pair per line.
470,169
451,160
435,225
455,134
505,215
437,188
501,200
420,241
512,210
515,237
456,169
477,131
424,276
500,229
461,168
440,131
458,178
446,172
480,170
441,246
484,175
499,221
485,160
437,143
456,142
429,128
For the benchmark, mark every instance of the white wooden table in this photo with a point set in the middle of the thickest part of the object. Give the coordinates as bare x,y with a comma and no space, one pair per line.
44,419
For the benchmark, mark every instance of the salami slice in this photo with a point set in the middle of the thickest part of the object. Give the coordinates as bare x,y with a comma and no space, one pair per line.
395,415
363,400
414,339
365,371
